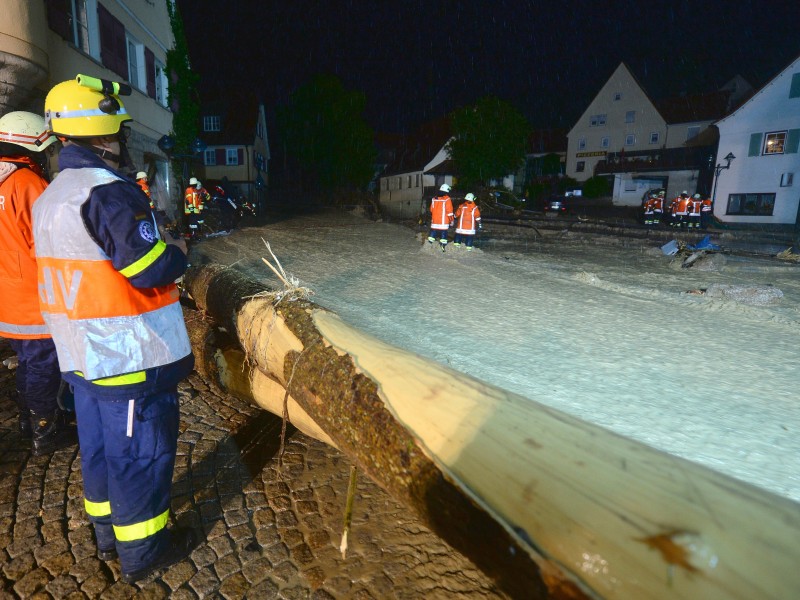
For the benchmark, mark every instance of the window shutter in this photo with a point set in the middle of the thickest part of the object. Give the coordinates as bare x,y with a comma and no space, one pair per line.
113,47
150,70
220,153
794,90
58,17
792,141
240,156
755,144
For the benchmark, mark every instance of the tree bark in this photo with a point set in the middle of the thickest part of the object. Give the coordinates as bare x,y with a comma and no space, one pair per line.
547,505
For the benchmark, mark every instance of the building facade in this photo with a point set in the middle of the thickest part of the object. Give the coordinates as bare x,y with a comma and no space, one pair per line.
763,135
44,42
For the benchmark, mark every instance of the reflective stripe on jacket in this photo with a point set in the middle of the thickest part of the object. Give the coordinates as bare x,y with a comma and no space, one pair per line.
101,324
468,215
193,200
19,301
441,212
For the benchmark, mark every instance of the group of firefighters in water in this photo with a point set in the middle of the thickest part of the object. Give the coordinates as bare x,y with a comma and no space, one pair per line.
683,211
466,219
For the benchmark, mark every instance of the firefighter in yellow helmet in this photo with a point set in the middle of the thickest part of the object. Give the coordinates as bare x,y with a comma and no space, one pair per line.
107,294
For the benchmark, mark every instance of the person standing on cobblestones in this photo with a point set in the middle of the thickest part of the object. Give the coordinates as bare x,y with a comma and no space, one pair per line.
107,293
23,137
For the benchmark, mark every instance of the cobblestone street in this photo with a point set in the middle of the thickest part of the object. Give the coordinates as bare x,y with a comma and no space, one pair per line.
272,527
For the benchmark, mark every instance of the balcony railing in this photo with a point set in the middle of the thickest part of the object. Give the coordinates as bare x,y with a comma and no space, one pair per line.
665,159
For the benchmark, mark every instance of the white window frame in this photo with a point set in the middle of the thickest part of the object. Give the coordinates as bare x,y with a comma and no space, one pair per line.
654,136
630,139
136,70
582,144
85,27
604,142
231,157
597,120
211,123
630,116
210,157
787,179
162,84
775,142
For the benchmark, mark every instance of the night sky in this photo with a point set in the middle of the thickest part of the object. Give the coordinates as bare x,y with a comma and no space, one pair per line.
418,60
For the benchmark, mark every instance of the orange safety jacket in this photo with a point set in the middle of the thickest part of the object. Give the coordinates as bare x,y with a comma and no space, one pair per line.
706,205
441,212
681,205
20,185
146,189
693,207
193,200
101,324
468,215
658,204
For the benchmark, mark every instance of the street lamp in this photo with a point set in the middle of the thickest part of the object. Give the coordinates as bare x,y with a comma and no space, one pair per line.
717,171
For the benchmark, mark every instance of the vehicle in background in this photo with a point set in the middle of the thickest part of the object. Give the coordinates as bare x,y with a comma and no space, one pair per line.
560,203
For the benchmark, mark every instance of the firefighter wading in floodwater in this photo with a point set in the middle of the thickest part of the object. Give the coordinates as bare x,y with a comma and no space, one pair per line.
107,294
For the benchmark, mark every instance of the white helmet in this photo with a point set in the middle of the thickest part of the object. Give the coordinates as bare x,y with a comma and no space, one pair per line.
25,129
445,188
193,181
470,197
141,175
696,196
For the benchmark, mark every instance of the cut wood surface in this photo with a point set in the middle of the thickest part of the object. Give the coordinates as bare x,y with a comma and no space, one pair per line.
550,506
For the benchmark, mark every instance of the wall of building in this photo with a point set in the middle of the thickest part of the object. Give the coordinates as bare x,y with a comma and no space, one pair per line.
753,171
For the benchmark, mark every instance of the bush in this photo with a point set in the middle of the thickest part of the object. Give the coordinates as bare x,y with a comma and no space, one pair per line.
596,187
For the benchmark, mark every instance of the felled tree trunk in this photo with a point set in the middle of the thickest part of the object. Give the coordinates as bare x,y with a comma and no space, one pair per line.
547,505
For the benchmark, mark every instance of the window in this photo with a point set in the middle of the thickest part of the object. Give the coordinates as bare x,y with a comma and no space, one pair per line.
582,144
231,156
691,132
416,180
211,123
408,182
760,205
630,116
597,120
136,72
775,143
604,143
580,166
617,96
74,20
787,179
161,83
654,137
210,157
399,183
630,139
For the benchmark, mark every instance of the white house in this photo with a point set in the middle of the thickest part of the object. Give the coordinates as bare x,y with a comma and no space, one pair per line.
763,135
640,144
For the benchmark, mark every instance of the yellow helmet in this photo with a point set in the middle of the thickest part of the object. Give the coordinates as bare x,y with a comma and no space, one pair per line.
25,129
77,108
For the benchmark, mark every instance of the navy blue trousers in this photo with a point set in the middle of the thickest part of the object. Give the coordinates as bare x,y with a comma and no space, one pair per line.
38,375
128,449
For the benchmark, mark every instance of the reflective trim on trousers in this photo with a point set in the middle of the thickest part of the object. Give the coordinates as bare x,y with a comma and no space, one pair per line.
138,531
97,509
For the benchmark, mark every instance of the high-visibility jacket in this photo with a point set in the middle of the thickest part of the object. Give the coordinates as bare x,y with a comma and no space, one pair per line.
693,207
441,212
468,215
658,204
20,186
146,189
681,206
194,200
706,205
101,324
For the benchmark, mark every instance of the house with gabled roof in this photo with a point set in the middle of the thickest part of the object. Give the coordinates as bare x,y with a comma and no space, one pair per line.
419,166
234,129
763,137
640,143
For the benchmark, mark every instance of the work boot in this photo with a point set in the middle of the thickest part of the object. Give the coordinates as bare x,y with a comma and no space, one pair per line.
181,544
25,424
51,433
